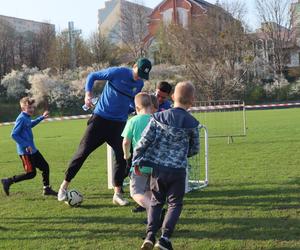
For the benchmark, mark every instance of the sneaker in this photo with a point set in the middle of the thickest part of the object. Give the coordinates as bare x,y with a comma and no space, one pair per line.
6,184
163,244
147,245
62,194
138,209
49,191
118,199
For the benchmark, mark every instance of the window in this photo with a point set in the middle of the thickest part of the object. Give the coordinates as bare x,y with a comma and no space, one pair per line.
167,16
260,44
270,44
182,17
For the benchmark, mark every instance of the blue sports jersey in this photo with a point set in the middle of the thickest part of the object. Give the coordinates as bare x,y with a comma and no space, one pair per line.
165,105
118,93
22,132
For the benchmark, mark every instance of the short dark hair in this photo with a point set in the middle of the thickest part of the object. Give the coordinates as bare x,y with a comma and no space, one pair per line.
164,87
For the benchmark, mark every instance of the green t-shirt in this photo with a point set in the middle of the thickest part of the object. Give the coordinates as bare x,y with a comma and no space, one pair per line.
133,131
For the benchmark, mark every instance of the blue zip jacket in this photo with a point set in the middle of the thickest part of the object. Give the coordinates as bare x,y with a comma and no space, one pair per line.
170,137
165,105
22,132
118,93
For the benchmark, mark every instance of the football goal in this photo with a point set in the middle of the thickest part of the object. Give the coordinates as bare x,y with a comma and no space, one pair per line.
197,171
224,118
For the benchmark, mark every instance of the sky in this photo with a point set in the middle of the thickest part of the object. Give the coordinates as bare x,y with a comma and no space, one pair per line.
82,12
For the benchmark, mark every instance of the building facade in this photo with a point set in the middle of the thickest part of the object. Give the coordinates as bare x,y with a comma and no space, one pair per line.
183,13
117,20
23,25
176,11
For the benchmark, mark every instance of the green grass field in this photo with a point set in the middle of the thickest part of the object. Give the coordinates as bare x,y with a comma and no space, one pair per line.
252,201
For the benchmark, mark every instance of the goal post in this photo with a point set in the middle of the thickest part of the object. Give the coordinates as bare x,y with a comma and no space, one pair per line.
224,118
197,172
110,165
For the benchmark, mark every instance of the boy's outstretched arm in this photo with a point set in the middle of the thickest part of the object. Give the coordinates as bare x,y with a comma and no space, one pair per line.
39,119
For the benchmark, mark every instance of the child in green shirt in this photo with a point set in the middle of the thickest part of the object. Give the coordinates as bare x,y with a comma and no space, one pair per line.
139,177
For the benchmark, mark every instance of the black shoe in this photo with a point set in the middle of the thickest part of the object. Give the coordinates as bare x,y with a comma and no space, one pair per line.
6,184
138,209
163,244
49,191
162,217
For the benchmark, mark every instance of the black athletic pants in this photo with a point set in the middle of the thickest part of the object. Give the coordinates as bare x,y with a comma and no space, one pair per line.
30,163
98,131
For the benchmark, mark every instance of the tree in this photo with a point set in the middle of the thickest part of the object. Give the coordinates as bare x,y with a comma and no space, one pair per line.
45,39
60,53
276,17
213,49
133,28
83,52
102,49
7,48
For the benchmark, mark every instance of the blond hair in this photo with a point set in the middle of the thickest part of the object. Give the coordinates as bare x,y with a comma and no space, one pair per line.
184,93
142,100
25,101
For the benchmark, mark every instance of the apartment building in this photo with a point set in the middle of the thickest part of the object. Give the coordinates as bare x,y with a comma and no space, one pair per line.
22,25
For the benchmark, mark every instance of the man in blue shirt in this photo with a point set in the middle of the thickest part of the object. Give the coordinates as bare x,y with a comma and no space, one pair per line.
27,151
108,120
162,93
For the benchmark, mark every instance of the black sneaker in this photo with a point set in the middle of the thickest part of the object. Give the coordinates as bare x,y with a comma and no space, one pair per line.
138,209
49,191
148,244
6,184
163,244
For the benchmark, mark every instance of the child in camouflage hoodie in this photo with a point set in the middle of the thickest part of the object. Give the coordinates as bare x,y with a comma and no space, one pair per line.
170,137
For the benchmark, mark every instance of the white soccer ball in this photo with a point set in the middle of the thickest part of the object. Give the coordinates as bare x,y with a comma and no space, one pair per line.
74,198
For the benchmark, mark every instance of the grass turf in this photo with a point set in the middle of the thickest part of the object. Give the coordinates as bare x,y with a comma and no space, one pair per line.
252,201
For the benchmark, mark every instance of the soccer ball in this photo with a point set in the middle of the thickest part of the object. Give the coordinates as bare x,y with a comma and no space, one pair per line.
74,198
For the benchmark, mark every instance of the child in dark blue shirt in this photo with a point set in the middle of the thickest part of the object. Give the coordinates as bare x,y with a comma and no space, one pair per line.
162,93
30,156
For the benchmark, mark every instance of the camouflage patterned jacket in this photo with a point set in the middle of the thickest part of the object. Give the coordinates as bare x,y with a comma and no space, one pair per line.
170,137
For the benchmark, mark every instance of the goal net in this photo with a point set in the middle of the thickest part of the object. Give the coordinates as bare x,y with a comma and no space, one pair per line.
197,171
224,118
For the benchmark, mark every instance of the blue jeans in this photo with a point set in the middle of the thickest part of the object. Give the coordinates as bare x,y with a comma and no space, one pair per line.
167,185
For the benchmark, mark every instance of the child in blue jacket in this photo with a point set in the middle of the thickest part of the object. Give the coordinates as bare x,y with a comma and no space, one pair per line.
28,153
